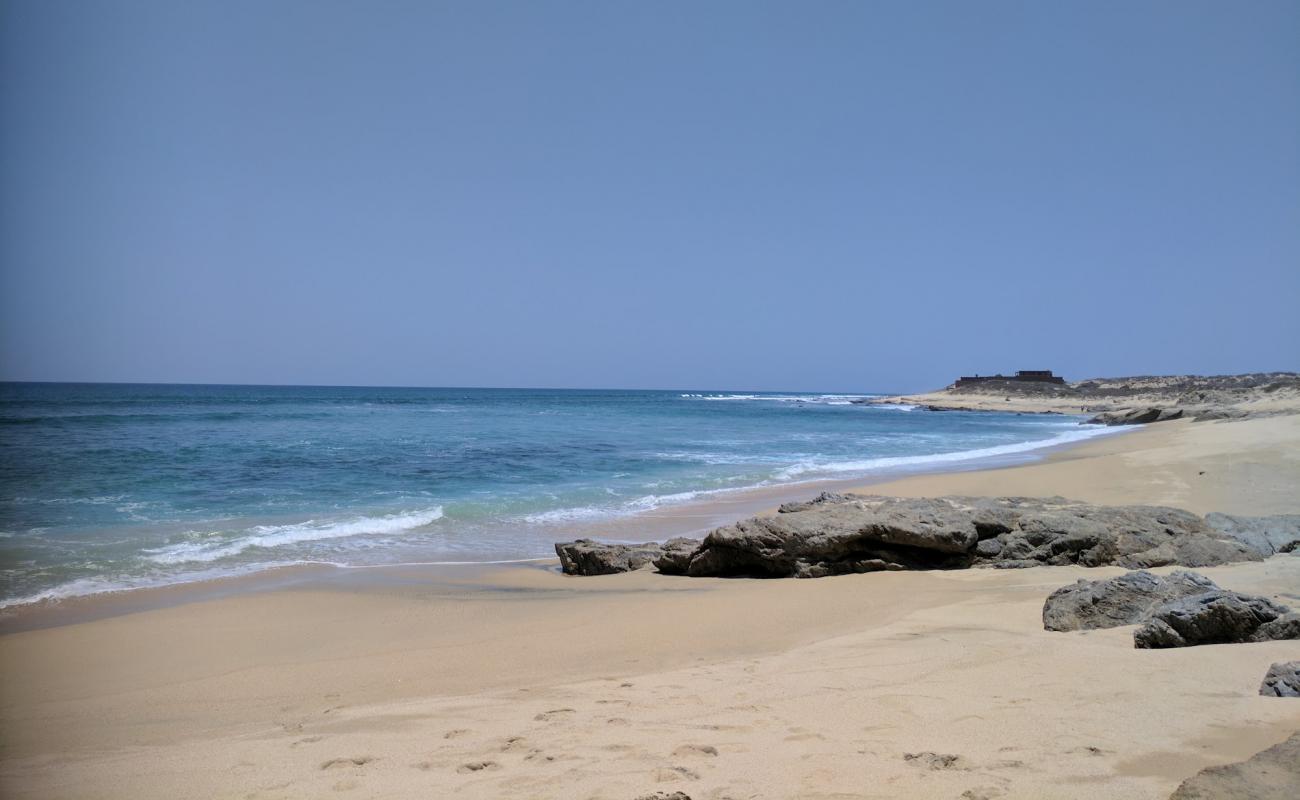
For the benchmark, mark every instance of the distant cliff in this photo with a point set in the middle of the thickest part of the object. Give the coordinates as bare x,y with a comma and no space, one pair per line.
1130,400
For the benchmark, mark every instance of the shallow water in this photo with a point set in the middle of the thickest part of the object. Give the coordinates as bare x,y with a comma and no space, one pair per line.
108,486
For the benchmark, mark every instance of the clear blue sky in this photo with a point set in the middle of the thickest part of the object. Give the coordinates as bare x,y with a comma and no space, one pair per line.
829,195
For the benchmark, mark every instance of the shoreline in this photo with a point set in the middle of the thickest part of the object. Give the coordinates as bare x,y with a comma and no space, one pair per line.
694,517
520,681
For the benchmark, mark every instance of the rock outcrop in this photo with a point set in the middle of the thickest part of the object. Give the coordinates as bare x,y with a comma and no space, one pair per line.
1265,535
839,533
1282,680
1125,600
1272,774
1216,616
676,555
1137,416
587,557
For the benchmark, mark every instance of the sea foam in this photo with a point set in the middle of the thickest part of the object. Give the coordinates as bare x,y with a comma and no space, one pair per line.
269,536
812,467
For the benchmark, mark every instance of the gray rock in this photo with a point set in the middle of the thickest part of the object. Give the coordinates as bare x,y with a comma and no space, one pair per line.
1125,600
1265,535
1272,774
1286,626
1216,616
1217,413
1282,680
587,557
836,534
676,556
1128,416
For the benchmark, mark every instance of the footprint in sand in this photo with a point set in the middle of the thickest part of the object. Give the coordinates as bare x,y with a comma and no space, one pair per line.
355,761
554,714
514,744
935,760
478,766
307,740
1092,751
676,774
455,734
696,750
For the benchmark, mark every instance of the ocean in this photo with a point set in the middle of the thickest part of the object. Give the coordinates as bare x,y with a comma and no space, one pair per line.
111,486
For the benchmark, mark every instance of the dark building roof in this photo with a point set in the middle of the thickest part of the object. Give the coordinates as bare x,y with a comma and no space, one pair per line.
1024,375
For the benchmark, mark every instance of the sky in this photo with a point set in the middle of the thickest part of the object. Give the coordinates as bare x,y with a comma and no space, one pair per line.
848,196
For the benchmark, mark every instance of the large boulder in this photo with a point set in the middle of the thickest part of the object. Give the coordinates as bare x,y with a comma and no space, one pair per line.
1216,616
1125,600
1137,416
1272,774
588,557
1265,535
843,533
1281,680
840,534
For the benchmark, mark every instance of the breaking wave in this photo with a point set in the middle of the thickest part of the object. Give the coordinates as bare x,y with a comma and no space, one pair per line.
270,536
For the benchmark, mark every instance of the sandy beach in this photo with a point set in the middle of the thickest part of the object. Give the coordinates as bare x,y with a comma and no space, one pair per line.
521,682
623,401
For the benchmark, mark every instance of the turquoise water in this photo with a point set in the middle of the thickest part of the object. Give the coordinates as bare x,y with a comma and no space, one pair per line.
107,486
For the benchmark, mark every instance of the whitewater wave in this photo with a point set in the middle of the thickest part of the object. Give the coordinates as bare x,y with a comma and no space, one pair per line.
562,515
639,505
865,466
269,536
819,399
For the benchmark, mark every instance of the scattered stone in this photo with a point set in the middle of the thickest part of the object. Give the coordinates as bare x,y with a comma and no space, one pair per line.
934,760
1273,774
1217,616
1282,680
1126,600
1265,535
587,557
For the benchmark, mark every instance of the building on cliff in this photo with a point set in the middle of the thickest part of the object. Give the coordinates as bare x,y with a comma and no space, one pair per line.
1023,376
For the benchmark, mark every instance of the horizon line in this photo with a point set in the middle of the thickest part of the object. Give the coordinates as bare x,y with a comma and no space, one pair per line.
388,386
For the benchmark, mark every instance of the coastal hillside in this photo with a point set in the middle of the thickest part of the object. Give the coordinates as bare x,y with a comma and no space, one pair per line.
1125,400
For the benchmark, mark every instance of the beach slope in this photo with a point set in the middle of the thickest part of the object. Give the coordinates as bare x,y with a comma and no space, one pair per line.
526,683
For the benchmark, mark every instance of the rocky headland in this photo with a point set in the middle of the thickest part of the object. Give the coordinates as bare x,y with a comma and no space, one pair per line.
1125,401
